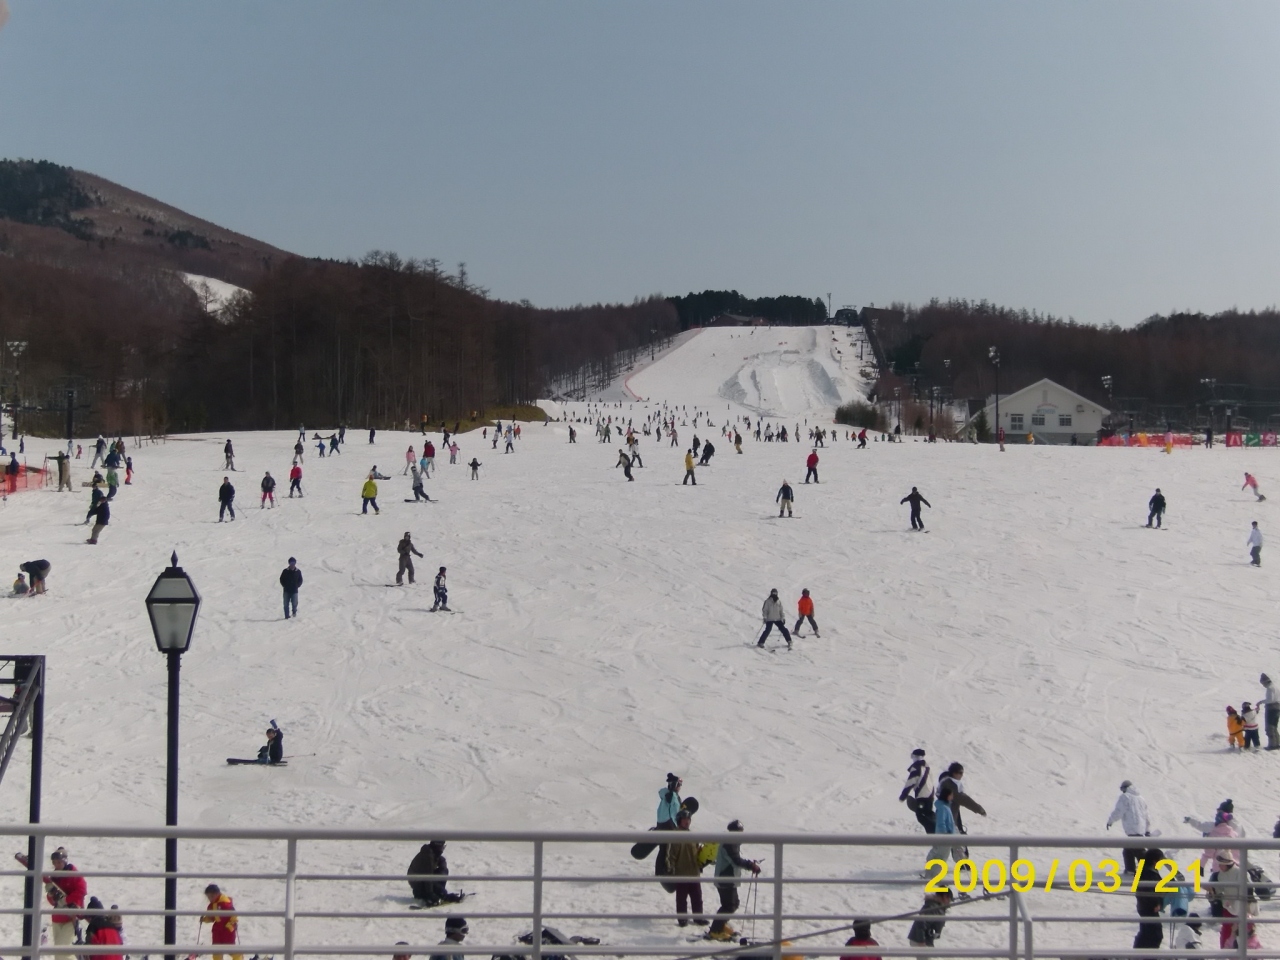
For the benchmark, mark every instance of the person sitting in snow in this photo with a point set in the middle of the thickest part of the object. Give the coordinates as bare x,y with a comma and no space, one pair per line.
273,750
430,862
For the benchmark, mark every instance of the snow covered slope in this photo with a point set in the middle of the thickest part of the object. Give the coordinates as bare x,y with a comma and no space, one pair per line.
770,371
604,632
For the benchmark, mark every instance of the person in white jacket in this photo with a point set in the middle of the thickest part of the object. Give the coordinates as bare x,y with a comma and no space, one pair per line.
1254,544
1224,824
773,616
1131,811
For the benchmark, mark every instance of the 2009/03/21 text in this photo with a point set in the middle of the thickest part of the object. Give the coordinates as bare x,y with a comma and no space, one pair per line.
995,876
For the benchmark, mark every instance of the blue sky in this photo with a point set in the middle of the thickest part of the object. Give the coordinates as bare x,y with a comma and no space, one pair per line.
1097,160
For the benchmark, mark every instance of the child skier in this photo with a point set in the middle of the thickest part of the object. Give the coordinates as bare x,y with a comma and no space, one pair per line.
1235,729
441,593
475,468
805,608
1155,508
1249,717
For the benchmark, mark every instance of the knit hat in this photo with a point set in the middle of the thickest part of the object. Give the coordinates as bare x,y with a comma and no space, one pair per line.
736,826
1125,785
94,904
1227,806
918,752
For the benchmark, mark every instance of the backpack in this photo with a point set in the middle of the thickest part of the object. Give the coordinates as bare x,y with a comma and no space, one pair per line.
707,853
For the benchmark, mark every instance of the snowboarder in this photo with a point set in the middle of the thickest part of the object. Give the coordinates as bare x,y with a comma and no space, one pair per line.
291,582
475,468
273,750
407,552
682,861
455,931
1254,543
222,917
369,493
228,452
954,774
811,466
915,498
96,496
102,517
1155,507
917,792
688,469
728,868
128,475
1251,482
804,607
669,803
268,491
295,480
372,433
1271,705
625,463
430,862
226,499
38,571
708,451
1131,811
924,932
773,616
113,483
440,592
418,492
784,498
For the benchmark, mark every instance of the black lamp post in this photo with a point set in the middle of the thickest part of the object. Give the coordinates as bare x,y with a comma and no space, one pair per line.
994,356
172,606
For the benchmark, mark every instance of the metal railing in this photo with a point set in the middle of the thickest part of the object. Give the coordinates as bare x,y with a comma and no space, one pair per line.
1064,899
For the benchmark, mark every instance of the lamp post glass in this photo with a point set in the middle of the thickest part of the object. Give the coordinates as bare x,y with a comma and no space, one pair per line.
172,605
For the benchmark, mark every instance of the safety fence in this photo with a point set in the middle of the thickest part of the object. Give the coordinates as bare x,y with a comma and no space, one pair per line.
1185,440
26,478
325,892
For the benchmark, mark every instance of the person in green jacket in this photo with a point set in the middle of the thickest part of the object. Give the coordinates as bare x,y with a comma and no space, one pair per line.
682,862
370,495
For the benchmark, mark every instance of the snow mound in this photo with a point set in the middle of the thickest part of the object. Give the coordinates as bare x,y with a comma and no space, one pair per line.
214,294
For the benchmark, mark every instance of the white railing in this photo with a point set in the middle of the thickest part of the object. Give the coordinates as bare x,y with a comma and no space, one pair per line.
814,881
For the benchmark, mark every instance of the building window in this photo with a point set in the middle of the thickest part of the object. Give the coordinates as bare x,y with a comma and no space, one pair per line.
1037,419
1015,421
1064,420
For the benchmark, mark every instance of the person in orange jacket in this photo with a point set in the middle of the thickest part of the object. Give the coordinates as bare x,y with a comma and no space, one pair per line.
805,608
1235,729
225,923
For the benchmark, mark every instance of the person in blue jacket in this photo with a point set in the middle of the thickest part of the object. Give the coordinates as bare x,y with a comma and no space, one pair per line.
669,802
943,823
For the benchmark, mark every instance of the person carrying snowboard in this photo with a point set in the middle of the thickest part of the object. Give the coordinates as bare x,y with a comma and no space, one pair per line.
773,616
222,918
290,583
805,609
226,499
915,498
1251,482
407,552
784,498
1155,508
268,491
811,466
729,867
625,463
440,591
917,792
295,480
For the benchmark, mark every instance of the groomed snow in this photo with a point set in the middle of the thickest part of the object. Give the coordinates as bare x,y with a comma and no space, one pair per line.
213,293
603,635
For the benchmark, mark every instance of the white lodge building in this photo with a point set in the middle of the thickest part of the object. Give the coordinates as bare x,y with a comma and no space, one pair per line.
1048,411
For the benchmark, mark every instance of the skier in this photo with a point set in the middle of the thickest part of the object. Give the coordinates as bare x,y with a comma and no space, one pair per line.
62,893
430,862
1131,811
1155,507
804,607
407,552
509,448
226,499
369,493
688,469
625,463
290,582
428,459
1249,717
1250,481
298,450
273,750
1254,543
38,571
227,452
728,868
102,517
475,468
268,491
128,473
334,442
1271,704
737,441
915,498
785,497
773,616
811,466
410,458
295,480
1235,729
418,492
573,435
455,931
440,592
222,918
682,861
917,792
100,450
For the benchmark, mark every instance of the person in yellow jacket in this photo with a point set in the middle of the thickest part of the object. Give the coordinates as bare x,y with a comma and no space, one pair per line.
1235,729
370,495
688,469
222,915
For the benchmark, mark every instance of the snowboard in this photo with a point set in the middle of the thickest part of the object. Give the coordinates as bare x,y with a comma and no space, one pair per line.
418,905
641,851
411,500
237,761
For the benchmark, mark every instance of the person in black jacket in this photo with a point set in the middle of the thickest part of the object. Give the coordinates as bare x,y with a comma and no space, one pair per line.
729,866
37,570
101,517
915,498
273,750
1155,508
1150,935
268,491
226,498
785,497
291,580
96,496
430,861
953,776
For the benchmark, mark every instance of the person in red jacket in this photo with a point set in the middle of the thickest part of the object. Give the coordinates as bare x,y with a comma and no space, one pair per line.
222,915
62,893
295,479
805,608
861,938
104,931
812,463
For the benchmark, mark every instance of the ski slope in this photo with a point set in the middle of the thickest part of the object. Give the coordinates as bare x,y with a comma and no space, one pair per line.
767,371
603,634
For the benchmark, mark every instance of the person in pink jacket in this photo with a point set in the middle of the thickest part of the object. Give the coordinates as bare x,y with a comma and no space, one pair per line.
1223,825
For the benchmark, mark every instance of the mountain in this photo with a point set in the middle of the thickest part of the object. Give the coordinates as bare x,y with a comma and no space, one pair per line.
66,217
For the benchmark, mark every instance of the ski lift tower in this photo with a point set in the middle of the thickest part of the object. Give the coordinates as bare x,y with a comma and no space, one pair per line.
25,706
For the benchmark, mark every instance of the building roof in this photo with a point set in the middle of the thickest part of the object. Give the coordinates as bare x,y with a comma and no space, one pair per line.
1013,398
